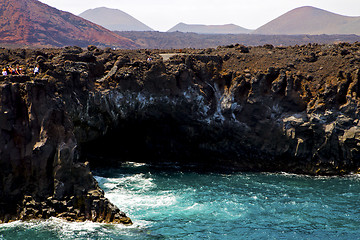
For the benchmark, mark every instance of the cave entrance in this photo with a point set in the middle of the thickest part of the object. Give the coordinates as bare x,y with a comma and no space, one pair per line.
149,141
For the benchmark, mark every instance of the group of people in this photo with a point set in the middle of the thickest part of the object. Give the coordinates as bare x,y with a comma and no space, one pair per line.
10,70
17,71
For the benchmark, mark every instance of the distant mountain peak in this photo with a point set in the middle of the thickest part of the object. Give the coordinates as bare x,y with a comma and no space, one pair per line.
311,20
114,19
209,29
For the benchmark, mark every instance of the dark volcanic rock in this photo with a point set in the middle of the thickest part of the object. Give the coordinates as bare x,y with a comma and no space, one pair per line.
234,108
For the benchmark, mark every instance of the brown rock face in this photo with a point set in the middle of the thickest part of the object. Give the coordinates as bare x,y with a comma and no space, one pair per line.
236,108
32,23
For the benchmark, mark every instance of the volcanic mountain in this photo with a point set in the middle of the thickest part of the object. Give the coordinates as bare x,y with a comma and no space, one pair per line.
310,20
114,19
209,29
32,23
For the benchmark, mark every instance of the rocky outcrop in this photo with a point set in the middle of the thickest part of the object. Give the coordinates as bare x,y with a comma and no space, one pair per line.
234,108
41,175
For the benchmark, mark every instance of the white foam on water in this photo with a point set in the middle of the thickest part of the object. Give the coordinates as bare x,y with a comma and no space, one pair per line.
195,206
63,225
137,182
355,176
134,193
75,230
133,164
351,175
126,200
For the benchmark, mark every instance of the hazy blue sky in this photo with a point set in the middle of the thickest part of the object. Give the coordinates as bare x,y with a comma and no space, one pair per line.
161,15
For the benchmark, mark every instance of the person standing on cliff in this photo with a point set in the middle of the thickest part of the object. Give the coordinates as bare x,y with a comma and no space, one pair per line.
17,70
36,70
4,72
11,70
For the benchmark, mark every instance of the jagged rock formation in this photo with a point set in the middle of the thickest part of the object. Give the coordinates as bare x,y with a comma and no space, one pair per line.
289,109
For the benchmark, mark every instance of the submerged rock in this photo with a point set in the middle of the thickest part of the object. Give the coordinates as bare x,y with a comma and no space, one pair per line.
236,109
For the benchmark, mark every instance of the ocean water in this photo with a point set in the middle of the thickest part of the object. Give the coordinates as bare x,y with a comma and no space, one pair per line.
170,203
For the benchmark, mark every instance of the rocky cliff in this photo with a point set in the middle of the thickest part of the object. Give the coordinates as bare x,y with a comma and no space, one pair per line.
236,108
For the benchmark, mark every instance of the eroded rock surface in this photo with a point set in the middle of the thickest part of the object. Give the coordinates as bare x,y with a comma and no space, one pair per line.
236,108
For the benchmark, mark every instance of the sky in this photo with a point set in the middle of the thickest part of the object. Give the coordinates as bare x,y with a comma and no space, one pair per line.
161,15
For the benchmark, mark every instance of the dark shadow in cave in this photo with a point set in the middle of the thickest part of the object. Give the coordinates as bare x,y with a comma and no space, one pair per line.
155,142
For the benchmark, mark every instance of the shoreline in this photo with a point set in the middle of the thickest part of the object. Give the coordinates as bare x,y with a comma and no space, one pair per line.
291,109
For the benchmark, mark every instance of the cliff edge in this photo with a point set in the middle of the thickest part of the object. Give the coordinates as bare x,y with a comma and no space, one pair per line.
235,108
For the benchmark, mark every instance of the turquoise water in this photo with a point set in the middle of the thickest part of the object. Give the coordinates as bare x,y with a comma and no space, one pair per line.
174,204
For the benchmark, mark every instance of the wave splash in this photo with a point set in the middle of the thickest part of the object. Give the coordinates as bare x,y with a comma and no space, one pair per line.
171,204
